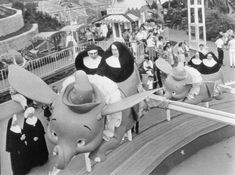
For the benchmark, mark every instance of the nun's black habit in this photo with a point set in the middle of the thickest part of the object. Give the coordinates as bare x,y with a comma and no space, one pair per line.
79,61
37,149
205,69
18,149
195,63
126,60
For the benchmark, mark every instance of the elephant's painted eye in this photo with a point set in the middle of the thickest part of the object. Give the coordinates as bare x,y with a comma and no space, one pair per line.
173,93
53,133
80,142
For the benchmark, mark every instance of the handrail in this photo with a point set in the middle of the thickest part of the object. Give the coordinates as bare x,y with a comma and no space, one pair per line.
209,113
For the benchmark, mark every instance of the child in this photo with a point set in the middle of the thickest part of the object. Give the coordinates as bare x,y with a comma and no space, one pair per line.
150,82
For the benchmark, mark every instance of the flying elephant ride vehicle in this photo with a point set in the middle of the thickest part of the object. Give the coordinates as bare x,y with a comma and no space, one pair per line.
191,85
81,131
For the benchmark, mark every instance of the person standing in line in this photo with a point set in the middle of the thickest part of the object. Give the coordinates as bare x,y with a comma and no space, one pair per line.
231,45
17,146
203,50
180,53
16,143
220,44
150,82
34,132
148,66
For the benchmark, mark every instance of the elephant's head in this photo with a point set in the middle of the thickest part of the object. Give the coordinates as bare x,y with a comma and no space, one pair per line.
76,125
178,83
176,90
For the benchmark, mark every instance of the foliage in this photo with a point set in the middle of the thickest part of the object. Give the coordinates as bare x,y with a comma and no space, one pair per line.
31,15
217,22
217,17
220,5
157,12
177,17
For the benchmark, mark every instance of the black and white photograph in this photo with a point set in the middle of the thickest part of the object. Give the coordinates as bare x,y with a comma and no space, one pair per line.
117,87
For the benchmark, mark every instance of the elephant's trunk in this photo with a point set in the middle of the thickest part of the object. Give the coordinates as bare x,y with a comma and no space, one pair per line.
167,95
64,155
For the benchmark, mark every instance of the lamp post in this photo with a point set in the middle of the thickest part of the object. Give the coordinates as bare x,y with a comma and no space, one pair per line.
196,23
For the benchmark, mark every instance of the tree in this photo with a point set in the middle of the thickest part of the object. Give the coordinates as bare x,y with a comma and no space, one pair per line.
31,15
156,9
224,6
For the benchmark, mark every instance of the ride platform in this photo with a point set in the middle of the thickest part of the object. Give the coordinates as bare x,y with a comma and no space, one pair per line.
157,141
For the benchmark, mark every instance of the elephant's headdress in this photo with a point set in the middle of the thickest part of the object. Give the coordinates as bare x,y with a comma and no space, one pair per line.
81,96
179,73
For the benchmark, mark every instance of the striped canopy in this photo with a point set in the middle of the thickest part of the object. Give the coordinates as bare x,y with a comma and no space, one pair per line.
119,18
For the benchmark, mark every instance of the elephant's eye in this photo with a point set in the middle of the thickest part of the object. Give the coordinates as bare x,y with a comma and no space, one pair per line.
173,93
80,142
53,133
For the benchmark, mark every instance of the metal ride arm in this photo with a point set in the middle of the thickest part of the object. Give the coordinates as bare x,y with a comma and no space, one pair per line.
213,114
227,87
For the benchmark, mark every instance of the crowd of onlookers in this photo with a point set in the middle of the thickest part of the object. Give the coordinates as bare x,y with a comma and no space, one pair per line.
97,32
155,38
226,41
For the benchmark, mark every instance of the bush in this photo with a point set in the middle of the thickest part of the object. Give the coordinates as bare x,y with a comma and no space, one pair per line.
217,22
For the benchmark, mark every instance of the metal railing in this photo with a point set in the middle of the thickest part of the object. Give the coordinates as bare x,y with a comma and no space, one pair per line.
57,61
41,67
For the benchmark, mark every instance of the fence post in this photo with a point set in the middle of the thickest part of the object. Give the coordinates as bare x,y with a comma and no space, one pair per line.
168,114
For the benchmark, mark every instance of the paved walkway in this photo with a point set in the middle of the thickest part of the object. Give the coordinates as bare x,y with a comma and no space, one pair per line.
180,35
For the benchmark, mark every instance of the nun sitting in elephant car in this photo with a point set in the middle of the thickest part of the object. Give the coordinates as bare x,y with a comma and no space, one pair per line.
118,64
187,84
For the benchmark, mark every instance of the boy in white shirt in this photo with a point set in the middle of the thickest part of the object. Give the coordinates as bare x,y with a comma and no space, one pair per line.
220,44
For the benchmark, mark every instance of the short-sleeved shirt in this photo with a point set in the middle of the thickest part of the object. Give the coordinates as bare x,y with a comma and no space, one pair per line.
219,43
231,45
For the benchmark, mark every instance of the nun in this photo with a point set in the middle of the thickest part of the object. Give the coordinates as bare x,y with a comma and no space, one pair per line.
34,131
210,64
118,62
196,62
90,59
17,146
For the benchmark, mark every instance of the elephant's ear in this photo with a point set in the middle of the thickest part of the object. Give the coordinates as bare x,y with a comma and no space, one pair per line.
126,103
163,65
30,85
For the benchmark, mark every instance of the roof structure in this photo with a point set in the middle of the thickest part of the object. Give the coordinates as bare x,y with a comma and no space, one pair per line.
74,27
119,18
129,4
